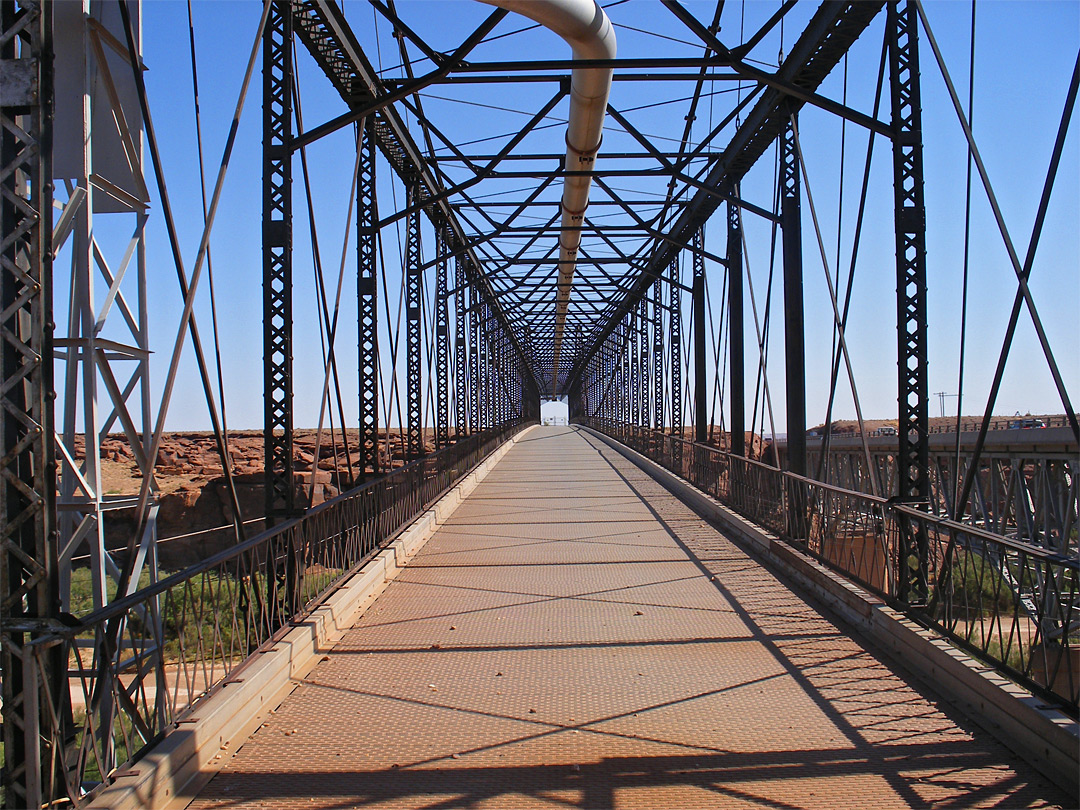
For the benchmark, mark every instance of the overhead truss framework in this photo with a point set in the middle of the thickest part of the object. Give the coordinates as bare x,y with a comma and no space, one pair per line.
497,195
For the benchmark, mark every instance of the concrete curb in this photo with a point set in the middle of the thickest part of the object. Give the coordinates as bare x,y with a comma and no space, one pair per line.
1043,736
171,774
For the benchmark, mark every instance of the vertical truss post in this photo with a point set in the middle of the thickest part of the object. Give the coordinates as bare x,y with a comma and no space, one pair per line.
701,391
634,411
736,331
644,378
910,223
601,370
442,343
482,366
461,362
474,360
367,304
913,463
675,335
277,264
496,375
626,390
490,368
506,386
795,354
492,376
522,394
481,363
510,377
621,388
658,357
504,378
486,372
616,364
29,576
413,344
608,375
590,389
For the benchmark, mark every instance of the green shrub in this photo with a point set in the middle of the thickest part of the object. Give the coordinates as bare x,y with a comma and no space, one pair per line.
979,586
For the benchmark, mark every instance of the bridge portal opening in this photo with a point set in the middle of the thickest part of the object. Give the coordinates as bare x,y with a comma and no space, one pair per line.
554,412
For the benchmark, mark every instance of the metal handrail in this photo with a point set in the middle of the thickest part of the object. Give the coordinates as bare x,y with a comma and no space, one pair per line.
1013,604
143,662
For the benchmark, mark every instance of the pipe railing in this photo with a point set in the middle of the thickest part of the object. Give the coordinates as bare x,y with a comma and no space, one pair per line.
1012,604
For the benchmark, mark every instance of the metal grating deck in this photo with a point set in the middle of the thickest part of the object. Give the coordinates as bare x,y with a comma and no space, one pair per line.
576,637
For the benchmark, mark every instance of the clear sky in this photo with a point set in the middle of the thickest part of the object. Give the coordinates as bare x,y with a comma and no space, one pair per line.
1025,52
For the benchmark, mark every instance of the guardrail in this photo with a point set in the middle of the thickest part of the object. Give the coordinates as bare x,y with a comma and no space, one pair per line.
1014,605
138,666
1014,423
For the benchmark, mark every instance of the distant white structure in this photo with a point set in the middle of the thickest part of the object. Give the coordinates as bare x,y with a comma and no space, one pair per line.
554,412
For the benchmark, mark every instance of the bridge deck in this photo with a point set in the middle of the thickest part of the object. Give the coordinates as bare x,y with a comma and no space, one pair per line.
576,637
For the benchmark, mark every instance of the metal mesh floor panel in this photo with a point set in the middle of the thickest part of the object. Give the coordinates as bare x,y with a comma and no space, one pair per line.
576,637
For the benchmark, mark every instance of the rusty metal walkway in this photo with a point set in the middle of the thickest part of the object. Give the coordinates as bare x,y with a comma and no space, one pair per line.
577,637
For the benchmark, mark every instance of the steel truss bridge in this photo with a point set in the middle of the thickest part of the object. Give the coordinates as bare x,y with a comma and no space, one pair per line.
639,311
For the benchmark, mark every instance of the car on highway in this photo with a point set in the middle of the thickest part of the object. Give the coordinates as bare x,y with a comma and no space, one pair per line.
1026,424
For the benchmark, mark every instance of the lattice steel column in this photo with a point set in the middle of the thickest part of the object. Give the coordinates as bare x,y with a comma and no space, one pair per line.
413,339
795,353
606,376
503,379
277,263
482,367
496,375
910,223
658,357
644,378
367,238
736,332
29,576
701,392
474,360
622,389
486,363
461,363
913,458
634,411
442,343
675,333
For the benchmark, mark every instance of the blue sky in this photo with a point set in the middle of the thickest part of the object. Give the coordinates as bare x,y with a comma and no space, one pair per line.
1025,55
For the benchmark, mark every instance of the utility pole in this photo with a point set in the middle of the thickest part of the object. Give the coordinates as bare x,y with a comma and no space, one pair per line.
942,396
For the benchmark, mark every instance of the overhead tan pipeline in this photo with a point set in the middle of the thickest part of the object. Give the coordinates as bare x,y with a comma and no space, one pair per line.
585,26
